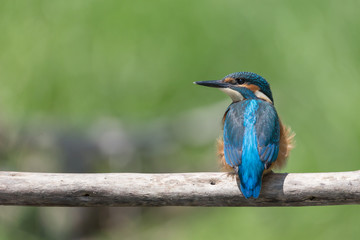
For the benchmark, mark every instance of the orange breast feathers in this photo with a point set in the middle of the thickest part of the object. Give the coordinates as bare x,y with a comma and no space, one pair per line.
285,146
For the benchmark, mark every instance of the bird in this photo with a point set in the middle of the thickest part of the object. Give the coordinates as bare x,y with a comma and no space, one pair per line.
254,140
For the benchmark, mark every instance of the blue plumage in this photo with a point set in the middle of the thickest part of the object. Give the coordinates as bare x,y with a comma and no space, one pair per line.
251,128
251,141
255,79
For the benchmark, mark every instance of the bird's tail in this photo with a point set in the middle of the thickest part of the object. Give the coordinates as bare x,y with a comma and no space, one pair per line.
250,182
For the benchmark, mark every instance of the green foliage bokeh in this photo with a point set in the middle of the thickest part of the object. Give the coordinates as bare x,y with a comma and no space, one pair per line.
77,61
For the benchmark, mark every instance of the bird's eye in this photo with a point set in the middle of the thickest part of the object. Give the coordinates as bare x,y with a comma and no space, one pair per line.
239,81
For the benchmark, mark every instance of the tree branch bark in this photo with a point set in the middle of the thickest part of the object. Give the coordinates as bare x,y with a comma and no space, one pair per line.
177,189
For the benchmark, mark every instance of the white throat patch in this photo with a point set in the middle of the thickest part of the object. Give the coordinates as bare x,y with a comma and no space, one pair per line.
261,95
234,95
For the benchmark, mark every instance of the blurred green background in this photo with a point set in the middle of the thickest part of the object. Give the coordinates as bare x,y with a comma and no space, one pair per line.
106,86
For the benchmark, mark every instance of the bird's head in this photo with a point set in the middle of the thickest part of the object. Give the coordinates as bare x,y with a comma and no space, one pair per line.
232,84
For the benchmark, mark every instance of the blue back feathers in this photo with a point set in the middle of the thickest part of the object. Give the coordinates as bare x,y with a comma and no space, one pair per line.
251,140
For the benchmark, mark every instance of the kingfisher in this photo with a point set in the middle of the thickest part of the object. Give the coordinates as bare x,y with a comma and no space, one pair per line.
254,139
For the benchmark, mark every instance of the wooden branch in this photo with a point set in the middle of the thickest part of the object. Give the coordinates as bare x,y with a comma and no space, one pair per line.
178,189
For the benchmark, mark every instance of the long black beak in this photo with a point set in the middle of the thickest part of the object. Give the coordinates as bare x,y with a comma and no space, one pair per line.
215,83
